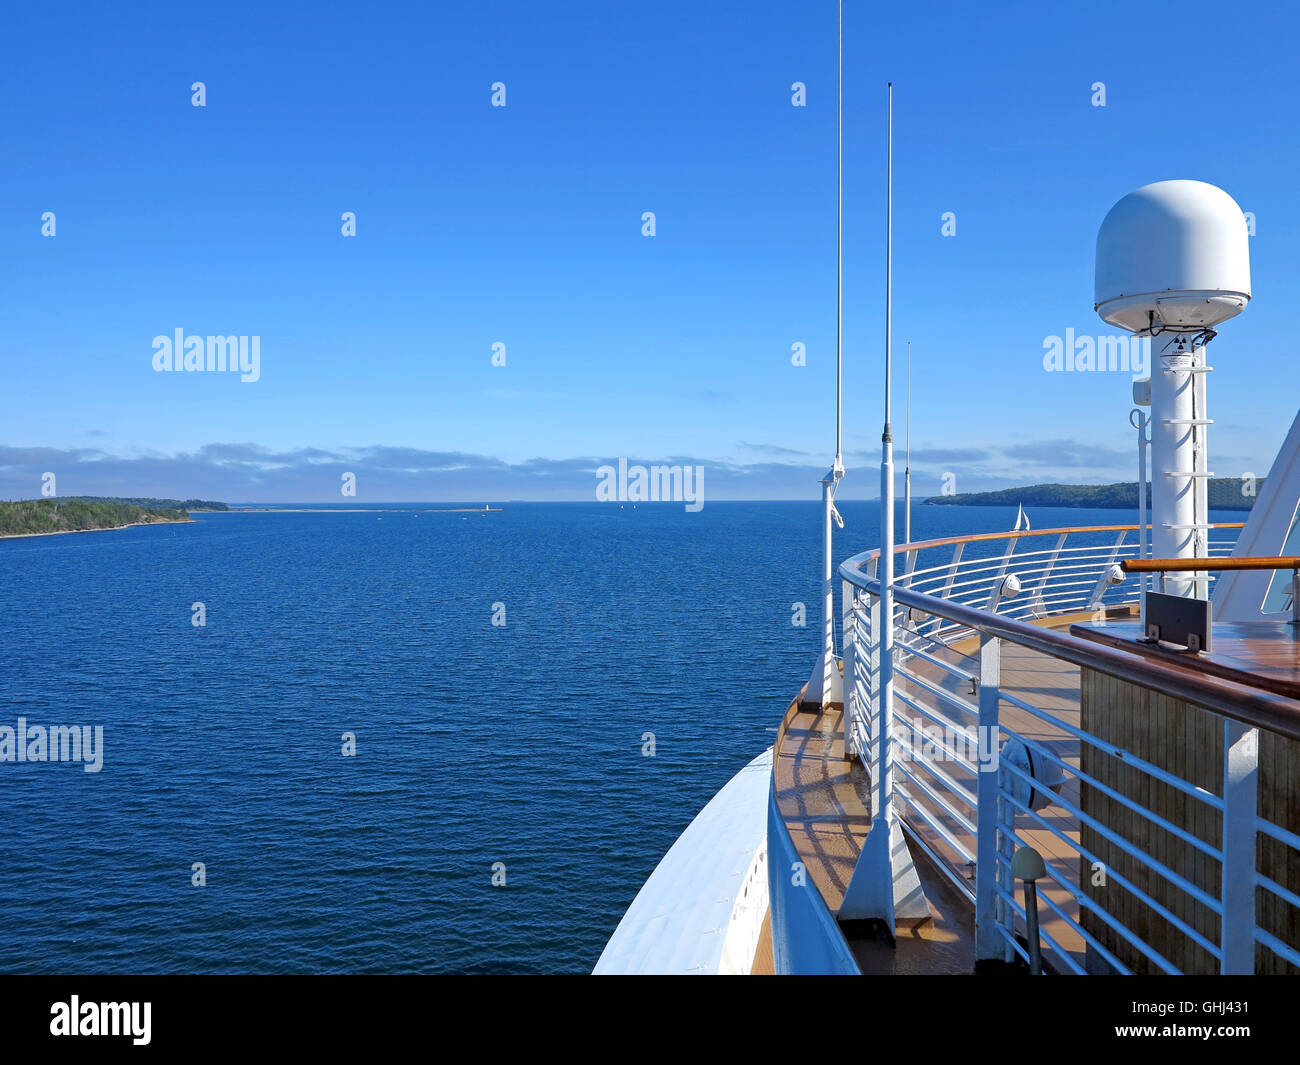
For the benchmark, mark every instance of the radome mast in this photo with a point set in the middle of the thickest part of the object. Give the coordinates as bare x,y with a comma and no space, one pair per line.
1173,263
826,685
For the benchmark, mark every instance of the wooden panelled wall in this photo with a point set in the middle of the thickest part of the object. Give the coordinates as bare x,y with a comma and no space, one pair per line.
1188,741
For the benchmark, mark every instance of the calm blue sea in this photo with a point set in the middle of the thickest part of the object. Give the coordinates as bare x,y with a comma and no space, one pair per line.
475,744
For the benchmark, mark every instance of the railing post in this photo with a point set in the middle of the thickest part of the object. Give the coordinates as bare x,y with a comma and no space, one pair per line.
999,579
1006,848
905,580
849,627
988,945
1099,589
874,706
1037,593
1240,809
948,582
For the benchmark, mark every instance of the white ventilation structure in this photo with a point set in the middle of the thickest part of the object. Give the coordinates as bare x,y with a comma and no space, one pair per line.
1173,261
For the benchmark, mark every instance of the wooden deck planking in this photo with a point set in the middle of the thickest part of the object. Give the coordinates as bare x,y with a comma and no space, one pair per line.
822,797
764,964
825,800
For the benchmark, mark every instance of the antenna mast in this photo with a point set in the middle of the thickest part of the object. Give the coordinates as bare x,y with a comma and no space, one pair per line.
826,685
885,885
884,785
907,468
839,252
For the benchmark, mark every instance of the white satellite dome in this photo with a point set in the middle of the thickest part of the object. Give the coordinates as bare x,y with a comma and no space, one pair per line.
1174,252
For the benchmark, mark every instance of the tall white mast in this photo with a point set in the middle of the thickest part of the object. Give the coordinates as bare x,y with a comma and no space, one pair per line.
884,785
885,885
826,685
839,249
907,467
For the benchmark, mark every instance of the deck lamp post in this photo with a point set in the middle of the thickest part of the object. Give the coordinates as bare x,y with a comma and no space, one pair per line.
1027,865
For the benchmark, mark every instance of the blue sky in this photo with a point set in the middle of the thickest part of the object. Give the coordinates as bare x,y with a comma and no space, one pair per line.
522,226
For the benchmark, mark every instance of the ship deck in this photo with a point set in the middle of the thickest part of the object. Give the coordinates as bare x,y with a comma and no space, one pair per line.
824,800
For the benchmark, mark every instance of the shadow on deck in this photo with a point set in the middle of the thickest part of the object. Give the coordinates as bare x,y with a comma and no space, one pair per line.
824,799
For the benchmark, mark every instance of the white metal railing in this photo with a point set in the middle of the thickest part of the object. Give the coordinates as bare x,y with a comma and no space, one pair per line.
956,767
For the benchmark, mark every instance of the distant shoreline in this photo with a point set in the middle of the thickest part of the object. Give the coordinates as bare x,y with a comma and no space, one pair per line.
361,510
106,528
258,510
1223,493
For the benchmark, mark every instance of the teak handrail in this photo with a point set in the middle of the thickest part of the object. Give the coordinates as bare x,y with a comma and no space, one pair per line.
1011,534
1196,565
1251,706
